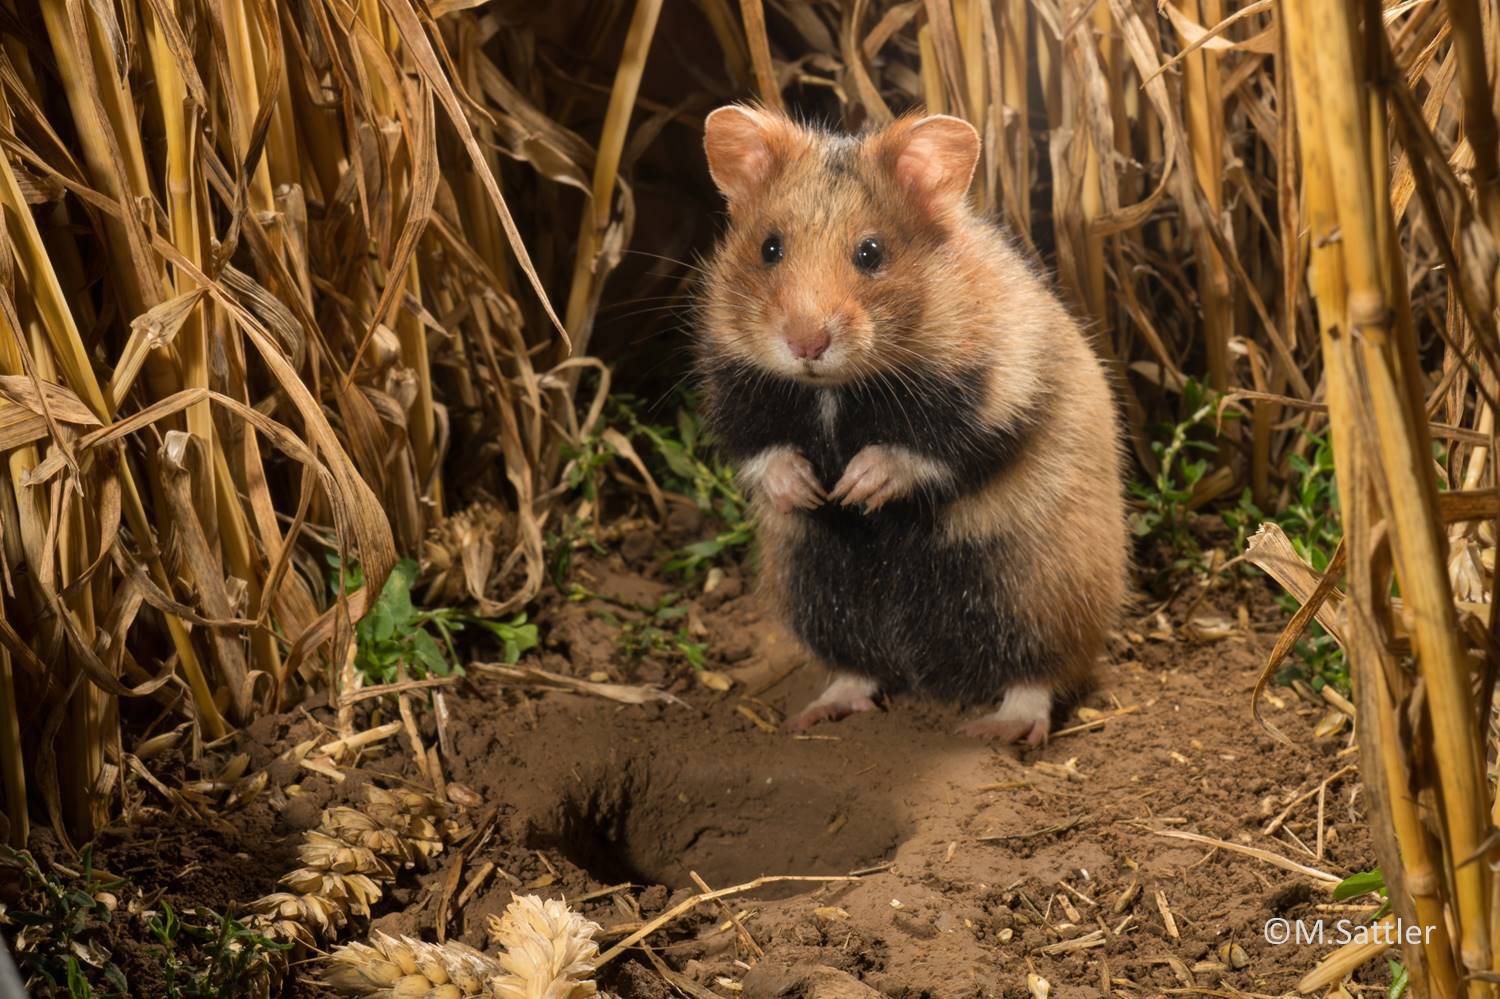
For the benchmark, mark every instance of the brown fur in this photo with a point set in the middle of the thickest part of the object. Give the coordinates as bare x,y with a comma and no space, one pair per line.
953,292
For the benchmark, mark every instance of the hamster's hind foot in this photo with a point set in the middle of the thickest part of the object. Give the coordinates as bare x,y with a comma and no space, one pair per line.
846,695
1024,716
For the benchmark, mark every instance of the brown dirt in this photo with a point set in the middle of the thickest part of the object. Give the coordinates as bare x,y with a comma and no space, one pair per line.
975,847
981,843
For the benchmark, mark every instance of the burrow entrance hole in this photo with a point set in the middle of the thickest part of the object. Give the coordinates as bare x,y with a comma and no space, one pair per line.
655,819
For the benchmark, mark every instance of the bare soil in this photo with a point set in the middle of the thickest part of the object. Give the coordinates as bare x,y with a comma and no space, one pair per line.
982,864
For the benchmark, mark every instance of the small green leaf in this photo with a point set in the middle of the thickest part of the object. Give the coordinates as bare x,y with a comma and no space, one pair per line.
524,637
1360,884
78,986
1399,979
429,654
382,622
677,459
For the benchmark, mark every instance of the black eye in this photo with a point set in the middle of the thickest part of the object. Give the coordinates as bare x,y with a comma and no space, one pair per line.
771,251
869,254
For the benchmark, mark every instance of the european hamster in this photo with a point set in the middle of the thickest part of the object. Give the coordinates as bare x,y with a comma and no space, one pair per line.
928,440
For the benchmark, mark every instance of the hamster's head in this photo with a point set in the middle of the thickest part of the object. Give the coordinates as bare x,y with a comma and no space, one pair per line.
836,245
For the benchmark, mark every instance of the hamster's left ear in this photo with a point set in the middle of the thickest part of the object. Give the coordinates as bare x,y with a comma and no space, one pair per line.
746,146
933,158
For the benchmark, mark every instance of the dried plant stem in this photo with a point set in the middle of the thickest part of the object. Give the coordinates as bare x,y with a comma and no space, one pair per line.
1339,166
934,93
1348,959
1403,449
12,755
246,82
1479,110
1205,121
754,13
692,902
1015,93
587,278
64,339
1405,854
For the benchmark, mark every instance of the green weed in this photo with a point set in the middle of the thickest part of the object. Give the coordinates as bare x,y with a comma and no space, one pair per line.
687,468
1312,525
1363,883
60,929
1310,519
396,634
680,459
1161,513
63,924
653,631
561,547
213,958
1399,978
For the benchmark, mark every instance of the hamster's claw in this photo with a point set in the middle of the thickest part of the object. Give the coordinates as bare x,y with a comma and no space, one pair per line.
869,479
790,483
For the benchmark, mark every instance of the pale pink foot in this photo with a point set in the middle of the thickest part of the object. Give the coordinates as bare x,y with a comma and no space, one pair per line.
845,696
1024,716
786,478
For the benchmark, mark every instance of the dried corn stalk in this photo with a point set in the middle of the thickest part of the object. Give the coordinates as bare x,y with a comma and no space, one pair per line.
261,278
1413,661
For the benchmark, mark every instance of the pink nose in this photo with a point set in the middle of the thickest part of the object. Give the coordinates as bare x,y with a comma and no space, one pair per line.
808,343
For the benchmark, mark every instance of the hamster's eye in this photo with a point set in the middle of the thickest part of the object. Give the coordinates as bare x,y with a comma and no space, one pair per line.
771,251
869,254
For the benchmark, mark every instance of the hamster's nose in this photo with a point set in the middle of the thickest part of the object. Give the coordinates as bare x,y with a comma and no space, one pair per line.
807,341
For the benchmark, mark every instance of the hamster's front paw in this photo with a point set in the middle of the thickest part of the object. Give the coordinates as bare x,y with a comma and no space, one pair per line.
880,473
788,481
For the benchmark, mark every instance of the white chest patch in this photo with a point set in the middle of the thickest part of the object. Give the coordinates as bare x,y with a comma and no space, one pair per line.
828,410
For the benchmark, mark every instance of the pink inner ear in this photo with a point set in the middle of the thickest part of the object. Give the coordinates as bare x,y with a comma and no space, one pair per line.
920,167
738,144
754,165
935,159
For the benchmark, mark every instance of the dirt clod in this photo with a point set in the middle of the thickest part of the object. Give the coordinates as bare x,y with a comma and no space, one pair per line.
804,981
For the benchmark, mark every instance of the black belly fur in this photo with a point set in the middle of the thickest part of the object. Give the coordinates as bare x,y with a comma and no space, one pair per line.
884,595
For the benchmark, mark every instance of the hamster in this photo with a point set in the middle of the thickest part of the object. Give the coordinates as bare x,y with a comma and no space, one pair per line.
929,442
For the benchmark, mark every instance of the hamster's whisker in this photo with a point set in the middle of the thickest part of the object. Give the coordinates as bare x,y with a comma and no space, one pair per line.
682,297
654,310
669,259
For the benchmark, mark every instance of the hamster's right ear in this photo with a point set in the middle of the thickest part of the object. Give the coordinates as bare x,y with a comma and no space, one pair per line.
745,146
